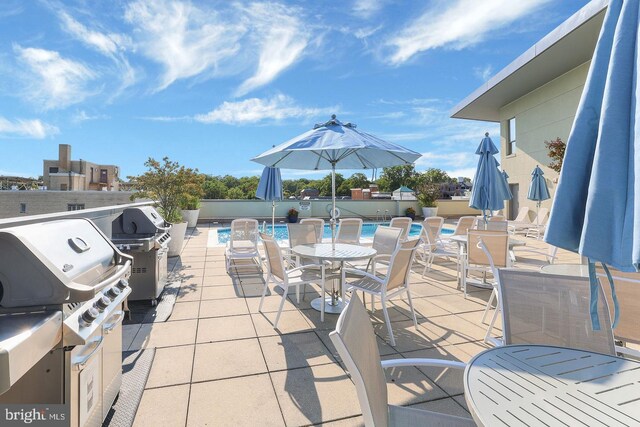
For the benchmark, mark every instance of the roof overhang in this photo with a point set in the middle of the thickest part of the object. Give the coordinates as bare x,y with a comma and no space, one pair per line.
569,45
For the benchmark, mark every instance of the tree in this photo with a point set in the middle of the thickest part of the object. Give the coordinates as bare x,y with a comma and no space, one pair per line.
556,152
324,185
357,180
168,184
395,177
235,193
435,176
214,188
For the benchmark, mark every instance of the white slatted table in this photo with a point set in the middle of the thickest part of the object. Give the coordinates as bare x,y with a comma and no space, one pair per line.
340,253
549,386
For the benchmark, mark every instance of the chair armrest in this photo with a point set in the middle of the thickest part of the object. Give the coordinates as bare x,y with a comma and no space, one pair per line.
361,273
303,267
438,363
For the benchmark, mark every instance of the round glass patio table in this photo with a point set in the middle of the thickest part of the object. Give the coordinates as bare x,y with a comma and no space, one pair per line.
341,253
575,270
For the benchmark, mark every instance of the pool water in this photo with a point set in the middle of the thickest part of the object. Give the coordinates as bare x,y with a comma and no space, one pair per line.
281,232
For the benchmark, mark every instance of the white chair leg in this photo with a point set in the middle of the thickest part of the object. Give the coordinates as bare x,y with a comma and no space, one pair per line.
487,338
264,293
392,340
284,297
373,303
413,313
489,305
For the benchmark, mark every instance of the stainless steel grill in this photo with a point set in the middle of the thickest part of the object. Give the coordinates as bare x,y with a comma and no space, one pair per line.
144,234
62,289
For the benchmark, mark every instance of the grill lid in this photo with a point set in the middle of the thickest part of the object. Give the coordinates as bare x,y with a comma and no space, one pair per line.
55,262
139,220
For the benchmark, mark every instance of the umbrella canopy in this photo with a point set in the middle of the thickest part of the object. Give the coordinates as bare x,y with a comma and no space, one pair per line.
270,188
336,145
507,191
596,210
487,193
538,190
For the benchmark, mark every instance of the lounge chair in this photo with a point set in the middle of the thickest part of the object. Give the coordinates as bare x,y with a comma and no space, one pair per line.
318,223
385,287
280,275
538,227
524,226
403,223
356,344
243,245
349,230
547,309
522,217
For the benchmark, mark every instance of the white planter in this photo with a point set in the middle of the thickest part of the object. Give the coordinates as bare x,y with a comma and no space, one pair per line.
191,216
177,232
429,212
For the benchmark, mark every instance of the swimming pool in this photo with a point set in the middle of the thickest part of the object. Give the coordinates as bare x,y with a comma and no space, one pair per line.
368,229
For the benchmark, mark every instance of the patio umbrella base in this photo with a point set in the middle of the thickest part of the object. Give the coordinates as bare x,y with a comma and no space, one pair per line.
330,306
479,284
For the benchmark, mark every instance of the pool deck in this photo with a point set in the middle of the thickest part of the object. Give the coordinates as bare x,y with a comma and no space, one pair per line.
219,361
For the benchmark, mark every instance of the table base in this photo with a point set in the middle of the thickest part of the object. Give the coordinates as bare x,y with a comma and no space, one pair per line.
479,284
335,308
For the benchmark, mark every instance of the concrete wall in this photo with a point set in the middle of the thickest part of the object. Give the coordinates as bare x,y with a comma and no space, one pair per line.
369,209
44,202
542,115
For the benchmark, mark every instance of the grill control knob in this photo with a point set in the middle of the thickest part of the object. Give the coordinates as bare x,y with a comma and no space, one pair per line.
122,284
102,303
89,316
113,293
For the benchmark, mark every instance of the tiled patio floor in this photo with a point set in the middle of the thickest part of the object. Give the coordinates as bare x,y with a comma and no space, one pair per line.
219,361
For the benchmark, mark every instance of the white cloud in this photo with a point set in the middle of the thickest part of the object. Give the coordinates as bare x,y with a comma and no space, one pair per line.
51,80
82,116
20,128
281,40
184,39
483,73
255,110
367,8
457,25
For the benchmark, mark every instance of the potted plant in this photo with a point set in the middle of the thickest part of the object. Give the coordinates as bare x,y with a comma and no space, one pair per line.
190,209
168,183
292,215
410,212
427,196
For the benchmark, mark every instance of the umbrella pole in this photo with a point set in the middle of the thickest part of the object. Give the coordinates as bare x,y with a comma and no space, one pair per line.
273,218
538,219
333,209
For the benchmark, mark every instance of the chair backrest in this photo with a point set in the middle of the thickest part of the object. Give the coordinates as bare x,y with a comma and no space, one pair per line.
495,253
273,255
302,234
497,218
493,225
243,230
402,222
547,309
385,239
464,224
523,215
427,235
349,230
400,264
543,216
628,291
318,223
356,344
436,223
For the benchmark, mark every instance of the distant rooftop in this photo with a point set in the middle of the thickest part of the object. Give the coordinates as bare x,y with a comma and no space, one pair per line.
569,45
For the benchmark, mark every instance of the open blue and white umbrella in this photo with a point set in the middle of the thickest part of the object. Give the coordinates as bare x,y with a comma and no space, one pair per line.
596,209
538,190
270,188
487,193
336,145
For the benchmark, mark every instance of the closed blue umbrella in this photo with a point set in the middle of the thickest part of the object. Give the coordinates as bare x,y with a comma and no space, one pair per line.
596,210
336,145
507,191
270,188
487,193
538,190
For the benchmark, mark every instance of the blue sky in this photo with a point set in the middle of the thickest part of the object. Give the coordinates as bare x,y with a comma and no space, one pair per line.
212,84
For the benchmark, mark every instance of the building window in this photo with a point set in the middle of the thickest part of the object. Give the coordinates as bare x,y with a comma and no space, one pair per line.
103,176
63,187
23,208
53,169
511,136
75,206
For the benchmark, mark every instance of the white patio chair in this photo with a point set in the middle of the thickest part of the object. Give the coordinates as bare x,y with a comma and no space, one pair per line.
300,234
538,227
318,223
280,275
349,230
394,283
463,225
355,342
493,225
522,217
243,244
546,309
429,249
436,223
385,242
403,223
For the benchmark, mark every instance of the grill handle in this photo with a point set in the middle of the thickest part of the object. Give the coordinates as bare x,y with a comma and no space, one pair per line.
109,327
81,362
85,292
